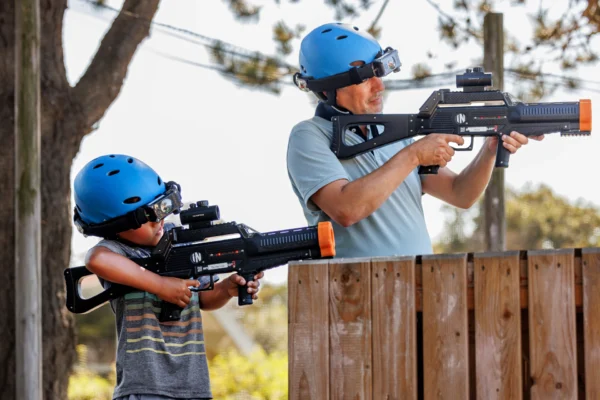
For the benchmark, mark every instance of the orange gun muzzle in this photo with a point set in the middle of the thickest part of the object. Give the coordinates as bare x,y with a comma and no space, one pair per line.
326,239
585,115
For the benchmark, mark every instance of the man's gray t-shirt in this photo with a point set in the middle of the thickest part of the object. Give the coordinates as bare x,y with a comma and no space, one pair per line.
396,228
161,359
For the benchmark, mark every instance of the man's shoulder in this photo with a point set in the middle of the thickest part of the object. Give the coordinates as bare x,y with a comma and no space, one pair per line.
315,127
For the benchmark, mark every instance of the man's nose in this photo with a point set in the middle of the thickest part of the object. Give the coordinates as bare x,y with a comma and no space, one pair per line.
377,84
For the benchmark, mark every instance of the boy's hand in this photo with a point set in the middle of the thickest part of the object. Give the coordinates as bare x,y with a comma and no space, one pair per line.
236,280
176,290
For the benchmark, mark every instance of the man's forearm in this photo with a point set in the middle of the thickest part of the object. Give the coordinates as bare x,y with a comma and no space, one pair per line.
360,198
216,298
472,181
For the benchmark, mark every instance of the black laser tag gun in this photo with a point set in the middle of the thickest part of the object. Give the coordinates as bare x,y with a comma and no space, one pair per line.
207,248
472,112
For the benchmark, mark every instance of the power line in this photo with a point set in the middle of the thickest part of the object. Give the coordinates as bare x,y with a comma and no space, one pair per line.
401,84
212,42
213,67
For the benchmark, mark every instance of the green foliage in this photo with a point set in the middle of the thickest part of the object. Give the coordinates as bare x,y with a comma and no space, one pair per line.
561,38
259,71
86,385
97,325
262,376
267,320
536,218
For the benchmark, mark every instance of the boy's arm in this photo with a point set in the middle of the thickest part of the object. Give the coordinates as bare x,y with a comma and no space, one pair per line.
119,269
226,289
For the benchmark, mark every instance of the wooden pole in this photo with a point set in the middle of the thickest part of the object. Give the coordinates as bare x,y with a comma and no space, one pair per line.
28,276
493,61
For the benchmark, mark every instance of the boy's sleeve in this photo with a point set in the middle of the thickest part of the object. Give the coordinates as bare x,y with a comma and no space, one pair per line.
311,164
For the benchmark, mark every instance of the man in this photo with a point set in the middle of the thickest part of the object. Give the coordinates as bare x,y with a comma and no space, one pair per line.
374,199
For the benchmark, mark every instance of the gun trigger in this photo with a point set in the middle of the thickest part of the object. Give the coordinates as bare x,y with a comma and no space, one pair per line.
468,148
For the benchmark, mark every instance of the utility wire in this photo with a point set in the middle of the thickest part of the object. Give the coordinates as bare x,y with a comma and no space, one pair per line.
228,48
212,42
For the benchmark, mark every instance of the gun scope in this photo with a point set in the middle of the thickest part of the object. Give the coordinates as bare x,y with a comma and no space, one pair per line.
199,212
474,78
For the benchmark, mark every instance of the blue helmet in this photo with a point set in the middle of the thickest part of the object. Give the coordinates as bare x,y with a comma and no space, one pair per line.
110,186
331,48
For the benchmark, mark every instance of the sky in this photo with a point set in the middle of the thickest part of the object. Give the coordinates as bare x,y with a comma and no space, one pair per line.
227,144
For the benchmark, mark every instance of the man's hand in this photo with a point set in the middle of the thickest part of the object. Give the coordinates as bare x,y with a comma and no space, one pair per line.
176,290
511,142
236,280
435,149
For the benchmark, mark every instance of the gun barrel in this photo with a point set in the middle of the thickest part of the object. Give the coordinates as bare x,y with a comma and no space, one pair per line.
320,237
574,112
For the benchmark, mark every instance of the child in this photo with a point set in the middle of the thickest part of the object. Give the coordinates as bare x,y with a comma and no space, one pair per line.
154,360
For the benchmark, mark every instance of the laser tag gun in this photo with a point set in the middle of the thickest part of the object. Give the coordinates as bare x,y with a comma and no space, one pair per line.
472,112
206,249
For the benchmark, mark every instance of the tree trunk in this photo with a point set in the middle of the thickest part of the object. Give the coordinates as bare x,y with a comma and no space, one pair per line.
68,114
7,191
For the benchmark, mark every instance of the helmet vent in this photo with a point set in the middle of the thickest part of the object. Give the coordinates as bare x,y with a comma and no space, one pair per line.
98,165
159,181
132,200
341,37
130,160
114,172
326,30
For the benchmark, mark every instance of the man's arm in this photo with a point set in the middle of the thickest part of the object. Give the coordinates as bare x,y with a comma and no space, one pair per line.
349,202
462,190
119,269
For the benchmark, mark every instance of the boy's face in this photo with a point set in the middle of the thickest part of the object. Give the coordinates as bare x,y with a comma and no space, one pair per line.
148,234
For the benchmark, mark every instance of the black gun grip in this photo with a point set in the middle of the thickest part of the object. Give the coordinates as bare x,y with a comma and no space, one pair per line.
169,312
502,155
429,169
245,298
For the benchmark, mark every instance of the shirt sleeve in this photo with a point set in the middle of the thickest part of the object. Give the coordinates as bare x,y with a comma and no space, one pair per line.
311,164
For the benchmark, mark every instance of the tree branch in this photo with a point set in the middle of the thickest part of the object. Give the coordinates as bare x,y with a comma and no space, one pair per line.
102,82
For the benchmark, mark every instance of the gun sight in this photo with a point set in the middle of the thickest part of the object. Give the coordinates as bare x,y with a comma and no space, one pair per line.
474,79
199,213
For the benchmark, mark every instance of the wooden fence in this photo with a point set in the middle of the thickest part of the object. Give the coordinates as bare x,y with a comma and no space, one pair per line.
510,325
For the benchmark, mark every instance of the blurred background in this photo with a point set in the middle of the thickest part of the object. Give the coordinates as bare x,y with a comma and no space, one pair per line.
208,101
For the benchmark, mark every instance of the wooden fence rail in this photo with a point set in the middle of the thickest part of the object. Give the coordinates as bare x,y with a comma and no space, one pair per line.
510,325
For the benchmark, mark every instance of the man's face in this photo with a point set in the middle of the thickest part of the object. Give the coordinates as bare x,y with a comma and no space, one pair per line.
364,98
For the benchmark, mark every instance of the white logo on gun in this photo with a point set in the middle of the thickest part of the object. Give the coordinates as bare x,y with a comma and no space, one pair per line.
196,258
461,118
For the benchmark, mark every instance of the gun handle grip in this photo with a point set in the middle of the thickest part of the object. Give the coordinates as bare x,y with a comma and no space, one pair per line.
502,155
245,298
169,312
428,169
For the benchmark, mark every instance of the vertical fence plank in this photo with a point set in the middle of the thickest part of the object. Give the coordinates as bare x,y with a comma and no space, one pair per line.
308,330
445,330
394,328
591,321
350,341
552,333
498,326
